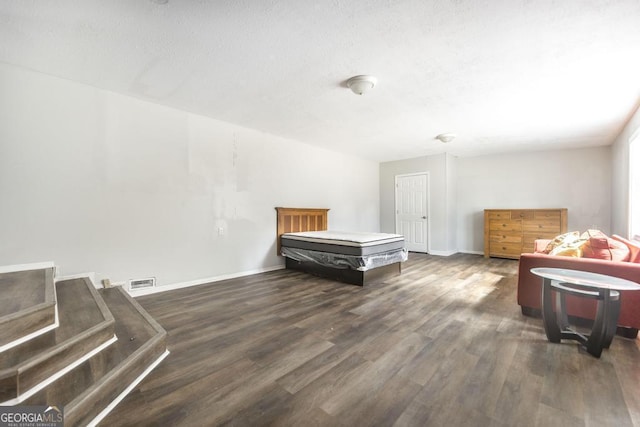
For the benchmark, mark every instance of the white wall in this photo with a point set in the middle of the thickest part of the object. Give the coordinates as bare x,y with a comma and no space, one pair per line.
101,182
577,179
620,176
440,192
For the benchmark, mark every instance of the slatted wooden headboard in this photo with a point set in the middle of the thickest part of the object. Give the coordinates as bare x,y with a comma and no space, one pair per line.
291,220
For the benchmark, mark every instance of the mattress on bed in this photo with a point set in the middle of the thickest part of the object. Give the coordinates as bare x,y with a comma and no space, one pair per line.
343,242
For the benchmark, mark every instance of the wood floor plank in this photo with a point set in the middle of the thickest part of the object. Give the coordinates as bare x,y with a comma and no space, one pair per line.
442,344
270,407
308,400
381,407
625,360
482,388
551,416
374,379
603,391
564,381
314,368
516,402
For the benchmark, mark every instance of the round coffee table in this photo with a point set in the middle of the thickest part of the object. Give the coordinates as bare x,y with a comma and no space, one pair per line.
605,289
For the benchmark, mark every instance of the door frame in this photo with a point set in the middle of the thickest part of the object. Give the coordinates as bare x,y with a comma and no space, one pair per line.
428,199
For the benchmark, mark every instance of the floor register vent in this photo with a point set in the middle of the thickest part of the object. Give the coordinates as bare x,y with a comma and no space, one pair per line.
142,283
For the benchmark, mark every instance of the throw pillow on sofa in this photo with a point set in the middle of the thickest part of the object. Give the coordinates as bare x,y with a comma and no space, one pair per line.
634,248
598,245
563,239
572,249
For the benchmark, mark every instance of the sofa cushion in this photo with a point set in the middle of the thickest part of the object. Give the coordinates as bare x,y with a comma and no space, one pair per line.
570,249
598,245
634,248
540,246
562,239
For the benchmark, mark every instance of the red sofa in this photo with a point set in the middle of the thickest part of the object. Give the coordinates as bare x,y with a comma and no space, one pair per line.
530,287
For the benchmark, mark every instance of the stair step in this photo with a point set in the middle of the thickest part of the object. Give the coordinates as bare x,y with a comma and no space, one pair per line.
93,388
85,325
27,306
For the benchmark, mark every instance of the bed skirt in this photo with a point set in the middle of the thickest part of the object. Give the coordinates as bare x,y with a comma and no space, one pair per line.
346,275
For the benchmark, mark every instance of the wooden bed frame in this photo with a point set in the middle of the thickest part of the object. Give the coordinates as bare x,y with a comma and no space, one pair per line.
292,220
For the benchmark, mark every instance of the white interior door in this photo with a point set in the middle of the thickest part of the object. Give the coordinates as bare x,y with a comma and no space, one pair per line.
412,207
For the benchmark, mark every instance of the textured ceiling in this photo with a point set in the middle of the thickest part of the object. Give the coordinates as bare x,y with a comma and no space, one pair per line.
502,74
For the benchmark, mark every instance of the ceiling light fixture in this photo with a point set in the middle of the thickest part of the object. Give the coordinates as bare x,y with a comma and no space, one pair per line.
446,137
361,84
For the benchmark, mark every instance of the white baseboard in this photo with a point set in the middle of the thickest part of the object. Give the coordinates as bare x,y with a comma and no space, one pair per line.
26,267
442,253
472,252
174,286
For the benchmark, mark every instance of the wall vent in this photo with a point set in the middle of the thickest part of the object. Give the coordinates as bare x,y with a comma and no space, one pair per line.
142,283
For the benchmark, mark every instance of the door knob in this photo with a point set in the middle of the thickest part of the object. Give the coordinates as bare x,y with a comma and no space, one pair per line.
424,217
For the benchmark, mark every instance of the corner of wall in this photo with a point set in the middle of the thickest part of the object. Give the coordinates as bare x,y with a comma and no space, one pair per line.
620,175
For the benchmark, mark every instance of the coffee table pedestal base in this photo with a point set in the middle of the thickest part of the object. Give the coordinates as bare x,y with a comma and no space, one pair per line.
556,324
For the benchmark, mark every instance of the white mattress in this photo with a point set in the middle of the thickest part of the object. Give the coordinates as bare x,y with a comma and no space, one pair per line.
345,238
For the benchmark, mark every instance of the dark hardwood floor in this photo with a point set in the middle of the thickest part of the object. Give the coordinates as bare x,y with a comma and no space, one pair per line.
444,344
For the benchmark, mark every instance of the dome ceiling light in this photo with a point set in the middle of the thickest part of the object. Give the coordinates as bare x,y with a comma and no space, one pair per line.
446,137
361,84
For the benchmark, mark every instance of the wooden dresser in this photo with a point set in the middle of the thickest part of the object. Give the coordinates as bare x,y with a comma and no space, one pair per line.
510,232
